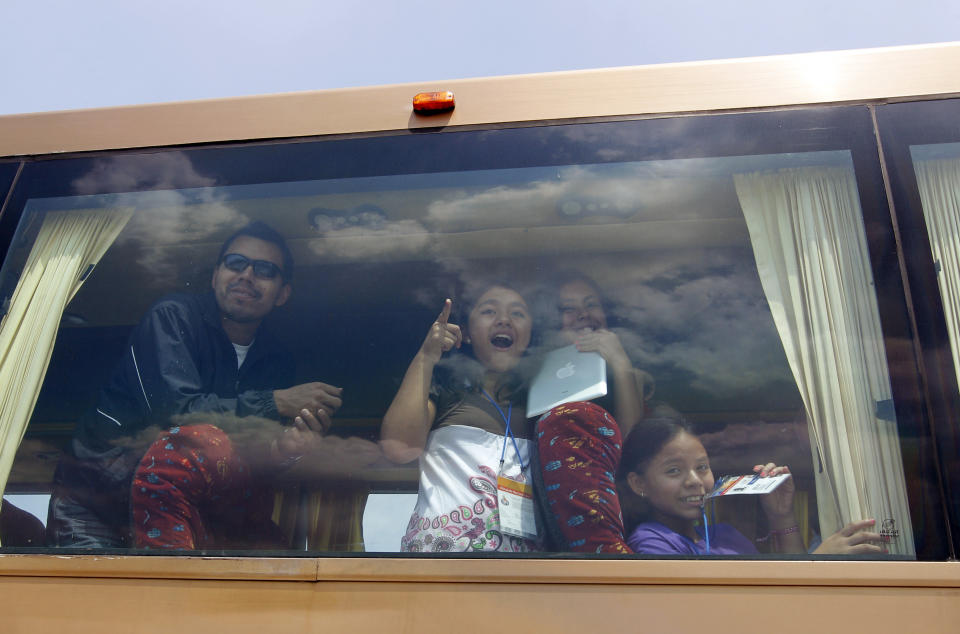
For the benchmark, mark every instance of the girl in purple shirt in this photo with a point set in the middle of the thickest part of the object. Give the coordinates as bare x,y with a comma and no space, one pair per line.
667,473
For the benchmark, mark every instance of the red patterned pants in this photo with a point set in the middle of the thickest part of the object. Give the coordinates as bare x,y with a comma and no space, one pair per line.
192,491
579,446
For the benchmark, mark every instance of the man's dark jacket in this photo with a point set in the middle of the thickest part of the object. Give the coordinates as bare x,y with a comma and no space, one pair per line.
177,360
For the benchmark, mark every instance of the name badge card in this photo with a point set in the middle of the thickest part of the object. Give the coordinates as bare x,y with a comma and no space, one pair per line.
747,485
517,516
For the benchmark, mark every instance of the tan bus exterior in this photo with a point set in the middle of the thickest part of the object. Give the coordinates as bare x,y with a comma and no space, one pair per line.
50,592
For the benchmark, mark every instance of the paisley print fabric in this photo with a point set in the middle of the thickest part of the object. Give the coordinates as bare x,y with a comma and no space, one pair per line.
457,509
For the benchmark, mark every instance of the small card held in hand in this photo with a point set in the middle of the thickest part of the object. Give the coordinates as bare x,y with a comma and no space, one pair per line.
746,485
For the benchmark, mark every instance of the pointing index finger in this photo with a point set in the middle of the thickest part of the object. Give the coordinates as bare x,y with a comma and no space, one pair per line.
445,313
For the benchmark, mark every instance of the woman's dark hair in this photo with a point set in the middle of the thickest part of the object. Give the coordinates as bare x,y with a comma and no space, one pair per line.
642,445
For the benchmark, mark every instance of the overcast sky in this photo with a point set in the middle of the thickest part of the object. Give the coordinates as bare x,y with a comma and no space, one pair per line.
63,54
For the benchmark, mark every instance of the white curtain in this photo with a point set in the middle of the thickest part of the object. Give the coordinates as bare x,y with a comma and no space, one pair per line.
808,239
68,245
939,183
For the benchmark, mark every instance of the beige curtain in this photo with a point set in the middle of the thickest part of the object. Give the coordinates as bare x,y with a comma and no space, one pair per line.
334,516
939,183
69,243
808,239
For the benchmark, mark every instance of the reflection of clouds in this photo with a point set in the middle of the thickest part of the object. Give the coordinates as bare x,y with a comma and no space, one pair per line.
124,174
174,215
494,207
614,197
463,279
736,436
389,240
701,313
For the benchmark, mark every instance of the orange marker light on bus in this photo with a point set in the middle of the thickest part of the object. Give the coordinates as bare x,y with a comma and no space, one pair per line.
432,102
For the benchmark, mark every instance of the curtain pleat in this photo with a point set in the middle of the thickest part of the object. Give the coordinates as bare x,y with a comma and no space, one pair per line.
333,515
68,244
807,234
939,184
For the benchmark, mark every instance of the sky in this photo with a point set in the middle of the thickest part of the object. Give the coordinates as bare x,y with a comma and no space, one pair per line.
63,54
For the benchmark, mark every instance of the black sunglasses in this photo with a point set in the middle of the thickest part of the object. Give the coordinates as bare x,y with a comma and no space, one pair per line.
261,268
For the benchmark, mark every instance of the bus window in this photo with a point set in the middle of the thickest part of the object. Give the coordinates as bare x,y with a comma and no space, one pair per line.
922,149
737,256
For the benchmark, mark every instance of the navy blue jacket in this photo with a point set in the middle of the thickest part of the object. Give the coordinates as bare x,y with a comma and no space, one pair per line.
177,360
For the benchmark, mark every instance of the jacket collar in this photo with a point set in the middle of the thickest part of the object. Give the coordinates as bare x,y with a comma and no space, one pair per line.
210,312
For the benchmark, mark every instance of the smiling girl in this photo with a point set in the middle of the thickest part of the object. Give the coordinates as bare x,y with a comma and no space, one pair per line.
466,428
667,471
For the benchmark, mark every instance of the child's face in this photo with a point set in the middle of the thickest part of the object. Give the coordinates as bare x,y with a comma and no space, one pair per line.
580,309
675,481
499,328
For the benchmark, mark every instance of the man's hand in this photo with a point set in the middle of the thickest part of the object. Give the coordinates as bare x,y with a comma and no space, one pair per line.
294,441
314,403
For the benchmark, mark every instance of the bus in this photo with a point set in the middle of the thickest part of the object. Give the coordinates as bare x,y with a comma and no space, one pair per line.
775,239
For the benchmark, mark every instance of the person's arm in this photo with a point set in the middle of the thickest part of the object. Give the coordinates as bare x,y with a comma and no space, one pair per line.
778,507
407,422
852,539
627,397
163,360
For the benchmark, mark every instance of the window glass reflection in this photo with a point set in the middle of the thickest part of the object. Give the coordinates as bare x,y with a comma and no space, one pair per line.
716,290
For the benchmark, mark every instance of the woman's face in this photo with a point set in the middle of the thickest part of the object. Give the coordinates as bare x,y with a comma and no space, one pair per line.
675,481
499,328
580,310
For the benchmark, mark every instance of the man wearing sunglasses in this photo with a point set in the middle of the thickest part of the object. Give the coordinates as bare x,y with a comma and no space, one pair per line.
209,364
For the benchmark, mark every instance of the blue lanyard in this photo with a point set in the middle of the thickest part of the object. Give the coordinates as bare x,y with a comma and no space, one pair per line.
706,529
509,432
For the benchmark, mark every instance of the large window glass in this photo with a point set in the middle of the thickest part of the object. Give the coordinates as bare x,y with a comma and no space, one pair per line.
922,146
180,386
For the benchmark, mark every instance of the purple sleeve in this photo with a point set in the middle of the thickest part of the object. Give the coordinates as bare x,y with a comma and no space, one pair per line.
652,539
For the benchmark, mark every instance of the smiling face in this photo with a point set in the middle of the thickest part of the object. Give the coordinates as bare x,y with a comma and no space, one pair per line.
581,309
244,297
499,328
674,483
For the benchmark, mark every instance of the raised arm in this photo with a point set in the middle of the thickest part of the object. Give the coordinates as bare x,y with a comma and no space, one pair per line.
407,422
627,395
778,507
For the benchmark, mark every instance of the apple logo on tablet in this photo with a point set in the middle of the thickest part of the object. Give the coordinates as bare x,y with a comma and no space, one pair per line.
566,371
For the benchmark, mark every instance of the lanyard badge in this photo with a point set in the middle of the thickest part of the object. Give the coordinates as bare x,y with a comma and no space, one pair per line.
514,493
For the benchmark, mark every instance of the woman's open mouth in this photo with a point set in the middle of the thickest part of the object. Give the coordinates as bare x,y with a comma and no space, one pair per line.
501,341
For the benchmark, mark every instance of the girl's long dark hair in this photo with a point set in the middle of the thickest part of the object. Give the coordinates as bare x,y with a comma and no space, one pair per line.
646,440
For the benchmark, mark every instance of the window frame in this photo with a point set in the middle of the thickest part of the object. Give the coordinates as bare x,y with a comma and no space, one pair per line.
774,99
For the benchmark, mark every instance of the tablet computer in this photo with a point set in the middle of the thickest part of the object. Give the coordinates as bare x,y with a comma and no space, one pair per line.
567,375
